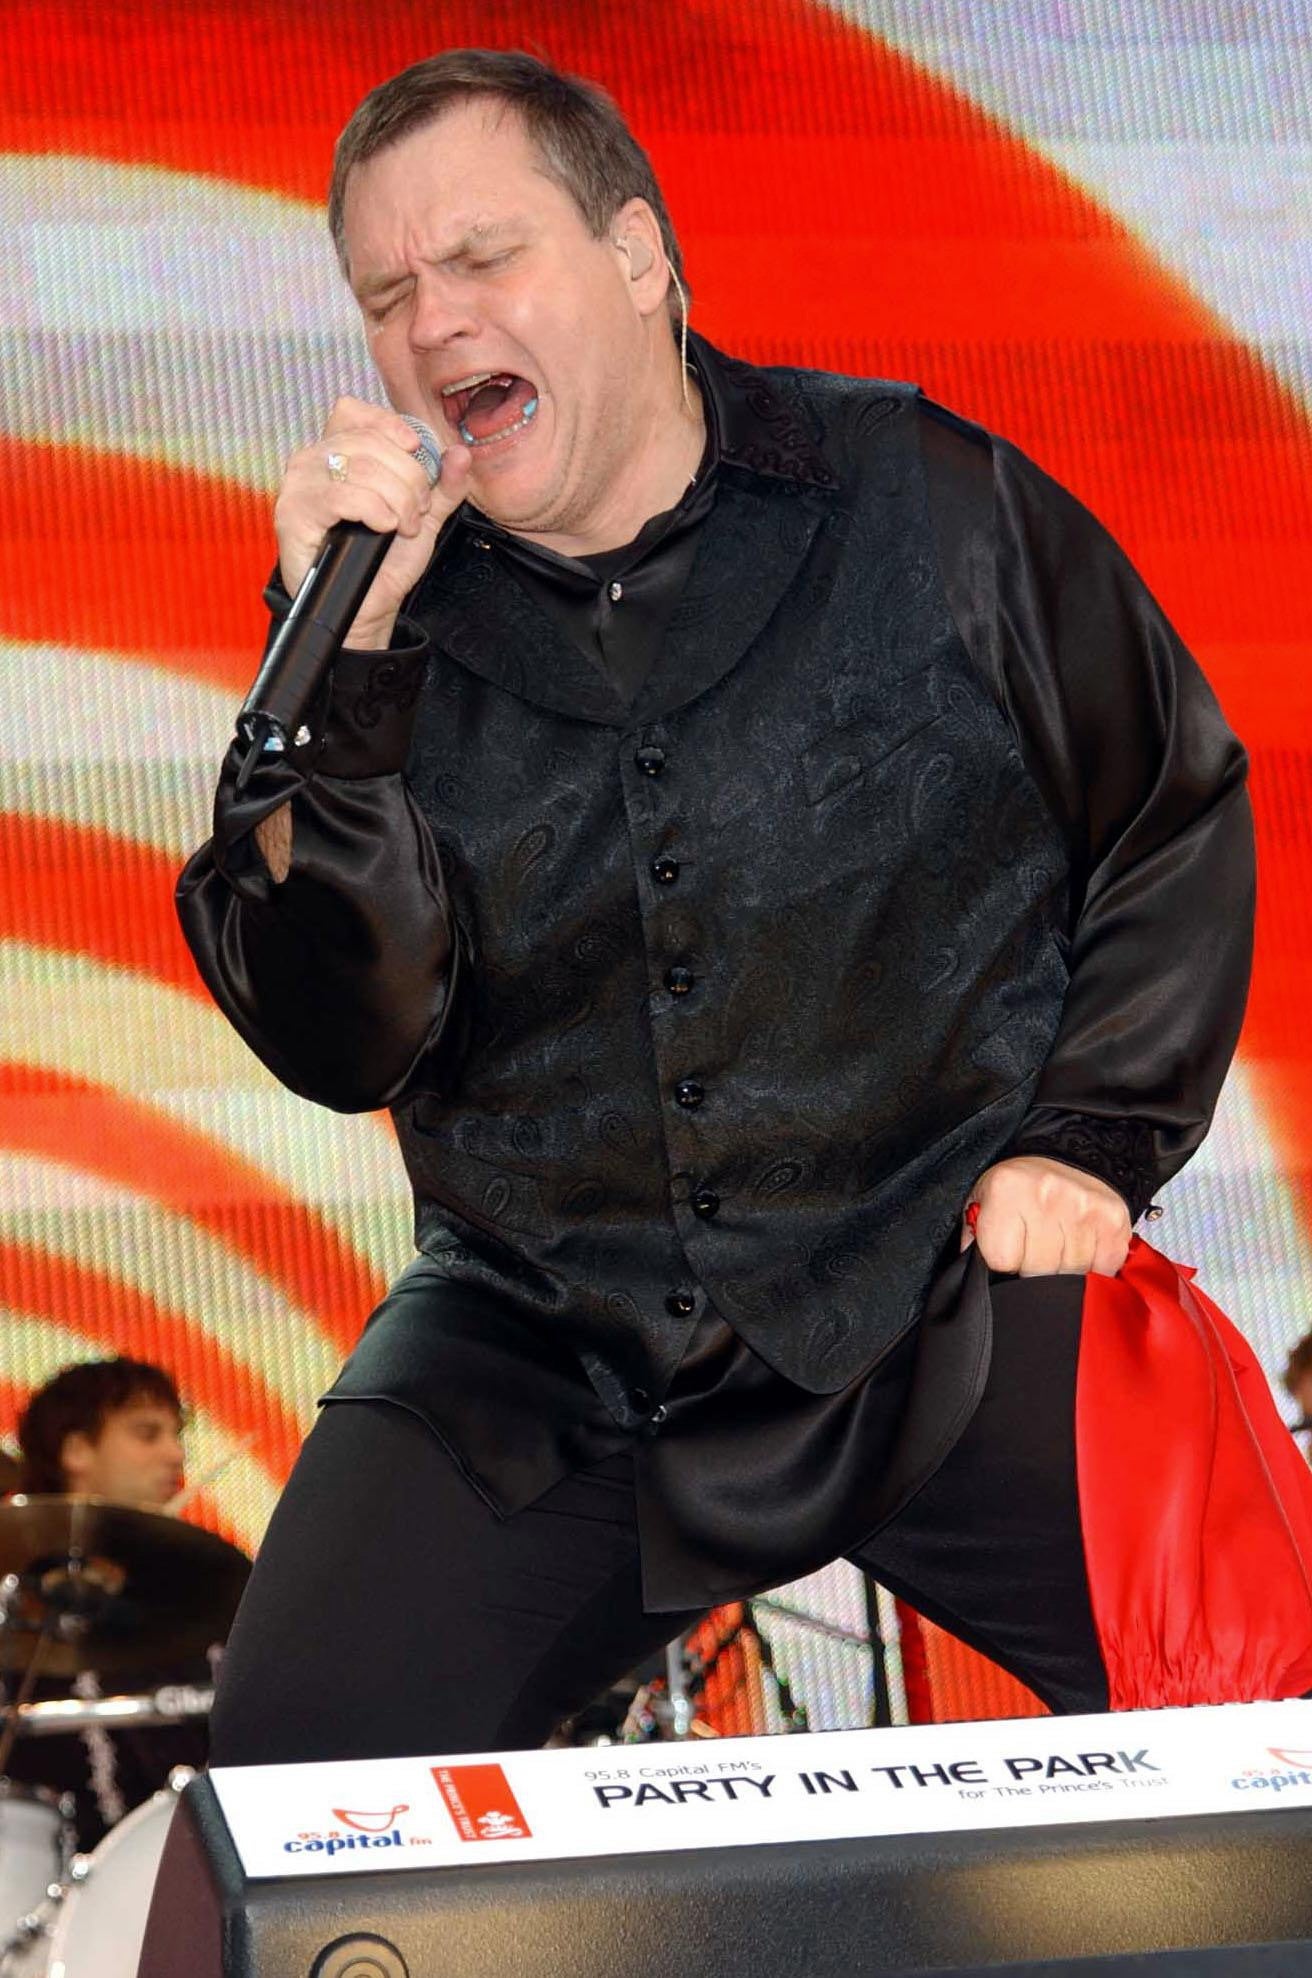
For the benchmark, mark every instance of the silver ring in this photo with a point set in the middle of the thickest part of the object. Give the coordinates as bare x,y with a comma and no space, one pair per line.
336,466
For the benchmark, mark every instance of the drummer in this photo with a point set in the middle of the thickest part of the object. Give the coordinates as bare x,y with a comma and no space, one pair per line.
104,1428
110,1429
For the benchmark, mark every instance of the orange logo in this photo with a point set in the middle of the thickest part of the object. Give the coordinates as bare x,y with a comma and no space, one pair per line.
480,1802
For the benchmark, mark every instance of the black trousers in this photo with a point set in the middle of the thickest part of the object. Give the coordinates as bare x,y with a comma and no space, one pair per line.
390,1611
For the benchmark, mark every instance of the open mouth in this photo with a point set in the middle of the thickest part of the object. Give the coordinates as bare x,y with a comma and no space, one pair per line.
489,406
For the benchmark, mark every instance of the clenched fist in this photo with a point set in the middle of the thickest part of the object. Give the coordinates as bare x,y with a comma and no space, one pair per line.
382,485
1040,1217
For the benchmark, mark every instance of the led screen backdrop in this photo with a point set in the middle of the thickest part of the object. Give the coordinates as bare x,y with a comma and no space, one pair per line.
1086,225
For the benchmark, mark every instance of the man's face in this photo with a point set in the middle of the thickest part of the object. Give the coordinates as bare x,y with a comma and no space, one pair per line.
136,1458
468,260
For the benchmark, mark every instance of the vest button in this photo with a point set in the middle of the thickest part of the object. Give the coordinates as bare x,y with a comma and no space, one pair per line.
680,1303
689,1092
679,980
705,1203
665,870
650,760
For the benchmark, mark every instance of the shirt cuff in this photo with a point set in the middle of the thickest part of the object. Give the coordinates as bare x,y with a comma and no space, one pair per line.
363,716
368,720
1120,1152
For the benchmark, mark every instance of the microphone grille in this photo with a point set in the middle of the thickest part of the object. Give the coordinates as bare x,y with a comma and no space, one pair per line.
429,455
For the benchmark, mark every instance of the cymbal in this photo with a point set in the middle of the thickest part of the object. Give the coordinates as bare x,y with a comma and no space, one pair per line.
129,1589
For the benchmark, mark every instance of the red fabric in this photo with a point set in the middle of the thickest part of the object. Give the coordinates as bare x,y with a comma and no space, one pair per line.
915,1666
1196,1503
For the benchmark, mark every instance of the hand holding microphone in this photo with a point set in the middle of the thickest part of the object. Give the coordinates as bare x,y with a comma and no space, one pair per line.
357,517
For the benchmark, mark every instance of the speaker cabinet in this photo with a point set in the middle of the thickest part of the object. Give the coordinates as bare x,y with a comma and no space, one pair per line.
1211,1894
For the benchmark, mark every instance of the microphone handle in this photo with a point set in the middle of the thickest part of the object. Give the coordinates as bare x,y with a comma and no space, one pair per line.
308,639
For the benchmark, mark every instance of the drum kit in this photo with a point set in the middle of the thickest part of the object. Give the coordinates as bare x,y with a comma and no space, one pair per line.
94,1595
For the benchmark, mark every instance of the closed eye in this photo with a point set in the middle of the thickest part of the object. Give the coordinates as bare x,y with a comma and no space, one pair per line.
480,264
381,307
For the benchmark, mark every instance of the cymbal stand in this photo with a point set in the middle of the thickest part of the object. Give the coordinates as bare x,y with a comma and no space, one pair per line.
73,1594
13,1712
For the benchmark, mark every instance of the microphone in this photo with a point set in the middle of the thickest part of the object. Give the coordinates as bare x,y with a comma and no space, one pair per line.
272,716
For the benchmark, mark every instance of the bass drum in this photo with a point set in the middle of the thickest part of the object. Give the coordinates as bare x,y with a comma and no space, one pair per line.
33,1848
103,1916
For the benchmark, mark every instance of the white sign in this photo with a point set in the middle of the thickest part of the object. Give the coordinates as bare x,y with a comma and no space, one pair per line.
738,1792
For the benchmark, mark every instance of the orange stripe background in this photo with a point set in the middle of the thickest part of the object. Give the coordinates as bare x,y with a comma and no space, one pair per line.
840,206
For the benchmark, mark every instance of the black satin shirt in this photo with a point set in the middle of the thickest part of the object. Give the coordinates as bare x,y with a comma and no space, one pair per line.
1127,829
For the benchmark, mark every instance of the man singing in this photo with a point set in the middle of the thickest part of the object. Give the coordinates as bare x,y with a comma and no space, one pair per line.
759,828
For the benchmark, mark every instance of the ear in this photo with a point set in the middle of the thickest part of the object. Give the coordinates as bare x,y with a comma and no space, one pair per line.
637,236
76,1454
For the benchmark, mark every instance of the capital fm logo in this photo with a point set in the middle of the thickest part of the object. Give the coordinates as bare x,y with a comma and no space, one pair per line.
481,1803
1291,1768
368,1828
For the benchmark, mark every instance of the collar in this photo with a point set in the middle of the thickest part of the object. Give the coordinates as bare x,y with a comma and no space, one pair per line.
760,432
751,545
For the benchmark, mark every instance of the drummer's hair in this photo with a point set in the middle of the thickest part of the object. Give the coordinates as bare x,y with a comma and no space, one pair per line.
77,1401
1299,1364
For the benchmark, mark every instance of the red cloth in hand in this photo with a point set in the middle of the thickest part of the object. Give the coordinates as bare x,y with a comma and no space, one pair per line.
1195,1502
